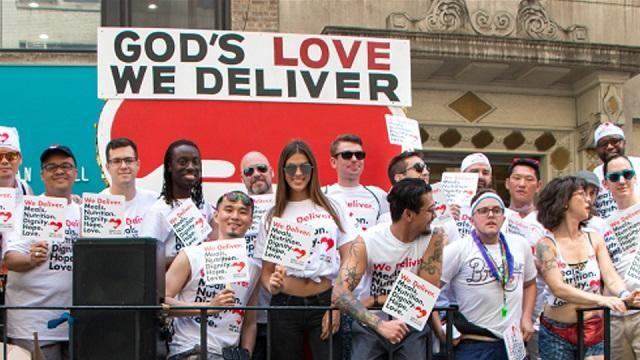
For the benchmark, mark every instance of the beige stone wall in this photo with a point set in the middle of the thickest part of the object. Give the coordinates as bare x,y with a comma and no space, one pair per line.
255,15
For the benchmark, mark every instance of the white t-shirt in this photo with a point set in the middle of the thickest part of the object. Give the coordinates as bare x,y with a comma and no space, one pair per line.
156,225
604,202
476,291
223,329
387,256
365,203
135,210
449,227
323,260
49,284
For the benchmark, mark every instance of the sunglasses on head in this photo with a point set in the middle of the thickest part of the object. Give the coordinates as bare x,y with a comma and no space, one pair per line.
261,168
235,196
348,155
419,167
292,169
626,174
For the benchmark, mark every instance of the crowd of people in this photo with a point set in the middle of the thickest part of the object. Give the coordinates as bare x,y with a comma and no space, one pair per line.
567,259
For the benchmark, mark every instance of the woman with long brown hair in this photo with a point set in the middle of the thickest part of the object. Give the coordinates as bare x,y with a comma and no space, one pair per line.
299,198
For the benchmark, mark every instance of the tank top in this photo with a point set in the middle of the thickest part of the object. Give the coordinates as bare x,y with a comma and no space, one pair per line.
584,275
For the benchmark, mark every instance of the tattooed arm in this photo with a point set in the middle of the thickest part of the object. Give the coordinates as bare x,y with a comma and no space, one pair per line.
547,263
431,265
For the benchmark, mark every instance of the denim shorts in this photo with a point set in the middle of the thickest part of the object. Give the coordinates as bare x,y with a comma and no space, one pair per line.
551,346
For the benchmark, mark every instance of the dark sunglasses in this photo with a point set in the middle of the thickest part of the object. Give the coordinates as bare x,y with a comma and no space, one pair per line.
261,168
10,156
348,155
626,174
235,196
292,169
419,167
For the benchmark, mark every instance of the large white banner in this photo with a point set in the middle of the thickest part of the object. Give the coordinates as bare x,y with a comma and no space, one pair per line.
145,63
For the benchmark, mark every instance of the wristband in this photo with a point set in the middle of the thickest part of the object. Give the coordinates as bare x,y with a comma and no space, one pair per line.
623,294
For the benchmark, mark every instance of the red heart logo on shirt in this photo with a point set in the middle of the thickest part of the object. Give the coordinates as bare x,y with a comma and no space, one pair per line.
594,283
56,225
330,242
116,222
4,137
301,253
421,312
240,265
240,313
200,222
6,215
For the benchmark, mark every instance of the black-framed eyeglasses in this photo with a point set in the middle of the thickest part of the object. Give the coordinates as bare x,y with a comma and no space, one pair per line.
261,168
615,176
613,141
54,167
119,161
484,211
419,167
348,155
292,169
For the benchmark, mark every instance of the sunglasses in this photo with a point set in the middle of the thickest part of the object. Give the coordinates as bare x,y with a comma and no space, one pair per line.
626,174
261,168
419,167
10,156
348,155
292,169
235,196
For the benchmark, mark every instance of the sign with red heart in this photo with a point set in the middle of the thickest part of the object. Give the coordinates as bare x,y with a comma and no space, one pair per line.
102,215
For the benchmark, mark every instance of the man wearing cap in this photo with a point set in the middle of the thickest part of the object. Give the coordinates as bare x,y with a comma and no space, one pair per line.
40,273
257,176
10,161
492,277
609,140
123,165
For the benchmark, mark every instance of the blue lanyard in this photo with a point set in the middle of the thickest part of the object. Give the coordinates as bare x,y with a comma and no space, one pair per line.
507,265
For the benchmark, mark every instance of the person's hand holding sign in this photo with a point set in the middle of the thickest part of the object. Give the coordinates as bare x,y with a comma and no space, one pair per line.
276,281
39,252
226,297
392,330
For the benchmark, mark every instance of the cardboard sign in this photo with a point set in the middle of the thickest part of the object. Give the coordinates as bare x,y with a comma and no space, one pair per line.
441,207
411,300
102,215
7,208
189,224
404,132
43,218
145,63
459,188
514,343
226,261
626,226
288,243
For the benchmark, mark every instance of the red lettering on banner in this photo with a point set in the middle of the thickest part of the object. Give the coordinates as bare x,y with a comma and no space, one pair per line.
324,53
346,59
278,55
373,55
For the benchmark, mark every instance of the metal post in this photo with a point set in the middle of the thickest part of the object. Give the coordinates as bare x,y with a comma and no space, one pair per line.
268,334
607,334
449,334
5,321
580,334
203,334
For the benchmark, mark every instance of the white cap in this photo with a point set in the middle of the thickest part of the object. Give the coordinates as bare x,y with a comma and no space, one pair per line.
607,129
475,158
9,138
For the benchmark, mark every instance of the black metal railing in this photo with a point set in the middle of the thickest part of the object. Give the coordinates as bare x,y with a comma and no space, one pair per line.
607,331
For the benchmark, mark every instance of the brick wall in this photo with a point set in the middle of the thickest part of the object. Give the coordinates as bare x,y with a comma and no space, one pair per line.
254,15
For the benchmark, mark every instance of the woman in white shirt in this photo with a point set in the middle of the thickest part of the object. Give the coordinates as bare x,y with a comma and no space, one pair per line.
299,198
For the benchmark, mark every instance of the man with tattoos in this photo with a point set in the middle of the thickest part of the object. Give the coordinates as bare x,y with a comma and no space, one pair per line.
378,255
492,277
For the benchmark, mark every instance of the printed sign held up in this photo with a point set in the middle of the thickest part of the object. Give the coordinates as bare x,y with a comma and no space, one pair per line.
7,208
43,218
441,207
514,343
459,188
626,226
404,132
189,224
226,261
411,300
102,215
288,243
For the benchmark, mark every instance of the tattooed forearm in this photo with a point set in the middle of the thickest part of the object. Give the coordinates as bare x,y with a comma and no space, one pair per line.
546,257
432,265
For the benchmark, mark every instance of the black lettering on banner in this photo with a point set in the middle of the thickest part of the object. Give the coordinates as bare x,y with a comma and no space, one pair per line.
185,39
236,78
388,89
163,75
260,89
128,78
170,47
291,84
226,44
345,81
133,49
201,72
315,88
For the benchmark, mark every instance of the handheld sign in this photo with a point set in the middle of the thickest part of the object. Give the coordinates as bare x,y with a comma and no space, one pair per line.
43,218
411,300
513,342
633,273
189,224
226,261
7,208
626,226
261,204
288,243
441,207
404,132
459,188
102,215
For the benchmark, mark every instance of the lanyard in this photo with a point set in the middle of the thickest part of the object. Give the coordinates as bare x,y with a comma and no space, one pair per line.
507,265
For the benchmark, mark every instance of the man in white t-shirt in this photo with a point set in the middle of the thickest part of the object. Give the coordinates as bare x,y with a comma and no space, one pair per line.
10,161
232,331
609,140
492,277
377,256
182,180
365,203
123,165
257,176
40,273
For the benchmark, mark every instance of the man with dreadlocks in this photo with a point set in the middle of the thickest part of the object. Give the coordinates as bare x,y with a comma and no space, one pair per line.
182,180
